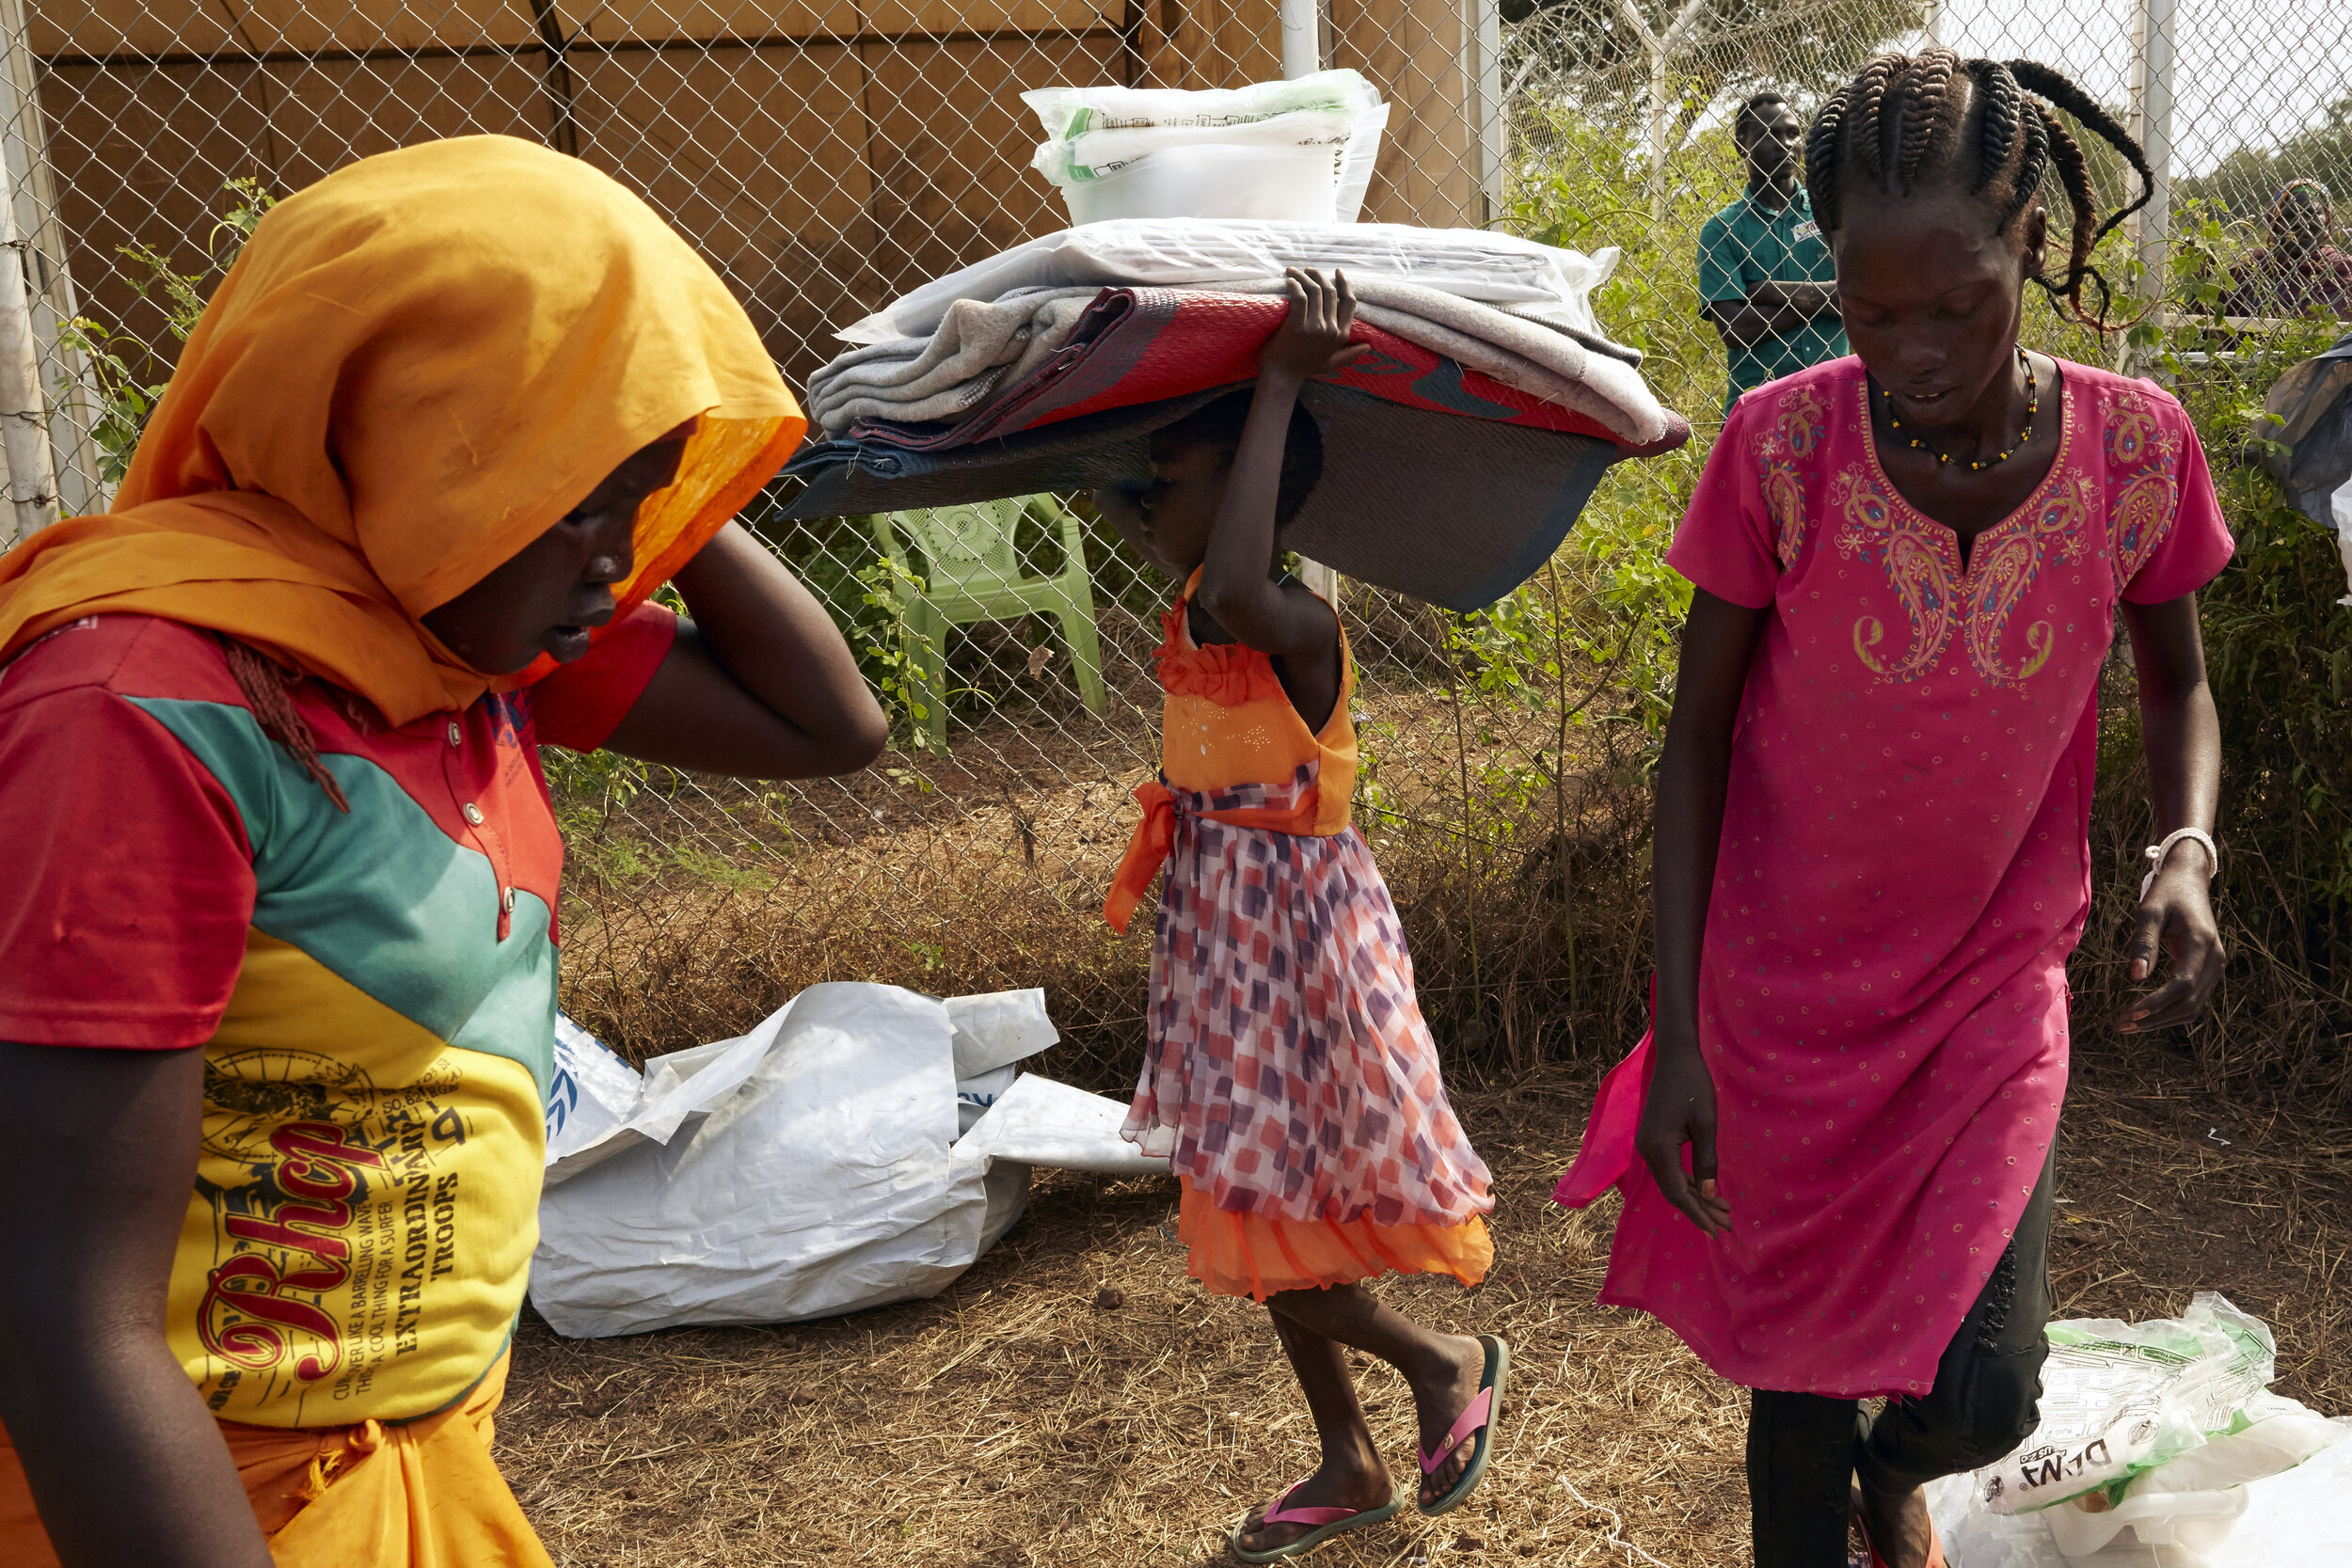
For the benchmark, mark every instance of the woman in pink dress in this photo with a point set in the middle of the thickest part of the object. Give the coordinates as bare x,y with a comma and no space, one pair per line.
1872,854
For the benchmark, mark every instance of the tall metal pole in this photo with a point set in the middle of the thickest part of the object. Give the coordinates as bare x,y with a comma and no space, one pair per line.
1483,63
2155,139
2149,121
1302,37
23,420
62,380
1661,48
1302,56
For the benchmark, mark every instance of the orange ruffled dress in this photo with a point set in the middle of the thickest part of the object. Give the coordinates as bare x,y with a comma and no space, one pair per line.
1290,1076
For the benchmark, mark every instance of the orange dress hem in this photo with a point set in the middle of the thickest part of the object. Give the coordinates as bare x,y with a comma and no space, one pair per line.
1251,1255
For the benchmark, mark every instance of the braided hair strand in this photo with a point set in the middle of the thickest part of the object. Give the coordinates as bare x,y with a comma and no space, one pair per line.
1899,124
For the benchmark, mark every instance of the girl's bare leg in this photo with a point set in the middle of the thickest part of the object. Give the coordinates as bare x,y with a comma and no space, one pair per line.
1351,1474
1442,1370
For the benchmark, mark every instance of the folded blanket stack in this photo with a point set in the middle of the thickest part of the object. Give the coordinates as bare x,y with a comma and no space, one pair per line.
1458,452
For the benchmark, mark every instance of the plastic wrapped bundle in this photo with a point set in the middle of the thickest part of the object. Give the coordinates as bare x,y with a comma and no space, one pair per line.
1301,149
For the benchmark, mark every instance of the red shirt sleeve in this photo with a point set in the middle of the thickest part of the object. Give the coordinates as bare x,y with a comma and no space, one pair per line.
1726,542
130,883
580,705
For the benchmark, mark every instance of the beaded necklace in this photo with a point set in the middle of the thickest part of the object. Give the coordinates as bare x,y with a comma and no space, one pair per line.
2033,406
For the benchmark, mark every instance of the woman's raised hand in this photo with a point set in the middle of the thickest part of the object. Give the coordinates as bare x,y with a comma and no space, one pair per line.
1313,339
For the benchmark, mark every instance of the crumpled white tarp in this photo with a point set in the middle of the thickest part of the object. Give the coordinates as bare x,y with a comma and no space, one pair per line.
814,1166
1540,281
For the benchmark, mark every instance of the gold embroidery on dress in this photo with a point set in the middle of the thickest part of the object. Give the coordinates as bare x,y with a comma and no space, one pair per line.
1937,597
2145,503
1798,426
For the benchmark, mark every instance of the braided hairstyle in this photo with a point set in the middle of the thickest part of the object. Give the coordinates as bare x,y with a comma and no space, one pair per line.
268,687
1904,125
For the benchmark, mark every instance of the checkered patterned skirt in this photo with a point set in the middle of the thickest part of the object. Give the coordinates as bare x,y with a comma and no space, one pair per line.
1290,1075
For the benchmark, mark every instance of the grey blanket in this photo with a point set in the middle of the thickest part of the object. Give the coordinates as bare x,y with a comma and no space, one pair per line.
982,346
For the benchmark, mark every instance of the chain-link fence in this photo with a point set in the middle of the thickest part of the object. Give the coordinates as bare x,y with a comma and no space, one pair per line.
826,157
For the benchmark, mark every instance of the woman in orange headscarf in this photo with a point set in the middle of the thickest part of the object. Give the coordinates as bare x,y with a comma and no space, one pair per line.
276,944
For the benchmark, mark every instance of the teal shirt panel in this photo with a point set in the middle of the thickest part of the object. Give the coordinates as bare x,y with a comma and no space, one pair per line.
380,895
1747,244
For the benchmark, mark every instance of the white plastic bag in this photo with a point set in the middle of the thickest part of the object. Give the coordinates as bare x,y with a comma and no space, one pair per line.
2121,1399
2152,1434
2297,1518
1108,149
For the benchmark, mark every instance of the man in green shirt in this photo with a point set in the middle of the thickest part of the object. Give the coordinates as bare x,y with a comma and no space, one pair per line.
1764,274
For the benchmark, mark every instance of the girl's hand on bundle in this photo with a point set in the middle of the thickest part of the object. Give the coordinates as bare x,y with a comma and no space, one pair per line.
1313,339
1678,1110
2176,917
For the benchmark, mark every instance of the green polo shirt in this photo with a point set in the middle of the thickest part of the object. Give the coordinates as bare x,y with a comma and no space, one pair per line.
1747,244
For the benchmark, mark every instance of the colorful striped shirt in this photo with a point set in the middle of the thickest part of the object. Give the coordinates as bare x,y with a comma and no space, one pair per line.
374,990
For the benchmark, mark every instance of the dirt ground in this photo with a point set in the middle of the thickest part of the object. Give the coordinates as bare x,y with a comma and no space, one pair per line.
1074,1400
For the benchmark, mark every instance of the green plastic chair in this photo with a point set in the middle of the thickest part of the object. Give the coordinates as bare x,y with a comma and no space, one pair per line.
975,576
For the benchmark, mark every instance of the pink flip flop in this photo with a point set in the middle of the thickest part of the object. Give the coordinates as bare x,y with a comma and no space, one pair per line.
1477,1419
1328,1522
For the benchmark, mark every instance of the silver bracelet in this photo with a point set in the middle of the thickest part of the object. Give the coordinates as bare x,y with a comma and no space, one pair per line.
2156,852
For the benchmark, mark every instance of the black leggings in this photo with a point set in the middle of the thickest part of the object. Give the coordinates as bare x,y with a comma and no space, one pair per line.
1805,1449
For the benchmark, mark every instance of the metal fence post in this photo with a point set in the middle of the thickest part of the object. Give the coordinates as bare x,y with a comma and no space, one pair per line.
1484,60
32,478
1302,37
70,397
1302,56
2153,77
2150,123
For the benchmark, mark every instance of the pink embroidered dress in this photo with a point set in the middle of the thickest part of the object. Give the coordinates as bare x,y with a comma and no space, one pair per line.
1904,868
1288,1072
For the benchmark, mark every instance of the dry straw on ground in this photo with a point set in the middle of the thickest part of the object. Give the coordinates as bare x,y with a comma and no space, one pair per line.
1022,1419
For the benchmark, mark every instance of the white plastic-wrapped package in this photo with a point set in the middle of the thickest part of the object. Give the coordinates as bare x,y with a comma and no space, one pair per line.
2291,1519
2121,1398
1070,113
816,1165
1502,270
1118,151
2160,1446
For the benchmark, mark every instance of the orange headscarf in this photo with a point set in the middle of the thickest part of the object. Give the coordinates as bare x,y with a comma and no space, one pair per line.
417,365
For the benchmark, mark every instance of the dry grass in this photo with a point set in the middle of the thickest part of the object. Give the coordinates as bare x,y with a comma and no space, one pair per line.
1015,1421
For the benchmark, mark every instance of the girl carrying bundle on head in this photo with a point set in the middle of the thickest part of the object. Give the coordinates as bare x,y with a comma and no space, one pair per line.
1872,854
1288,1072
